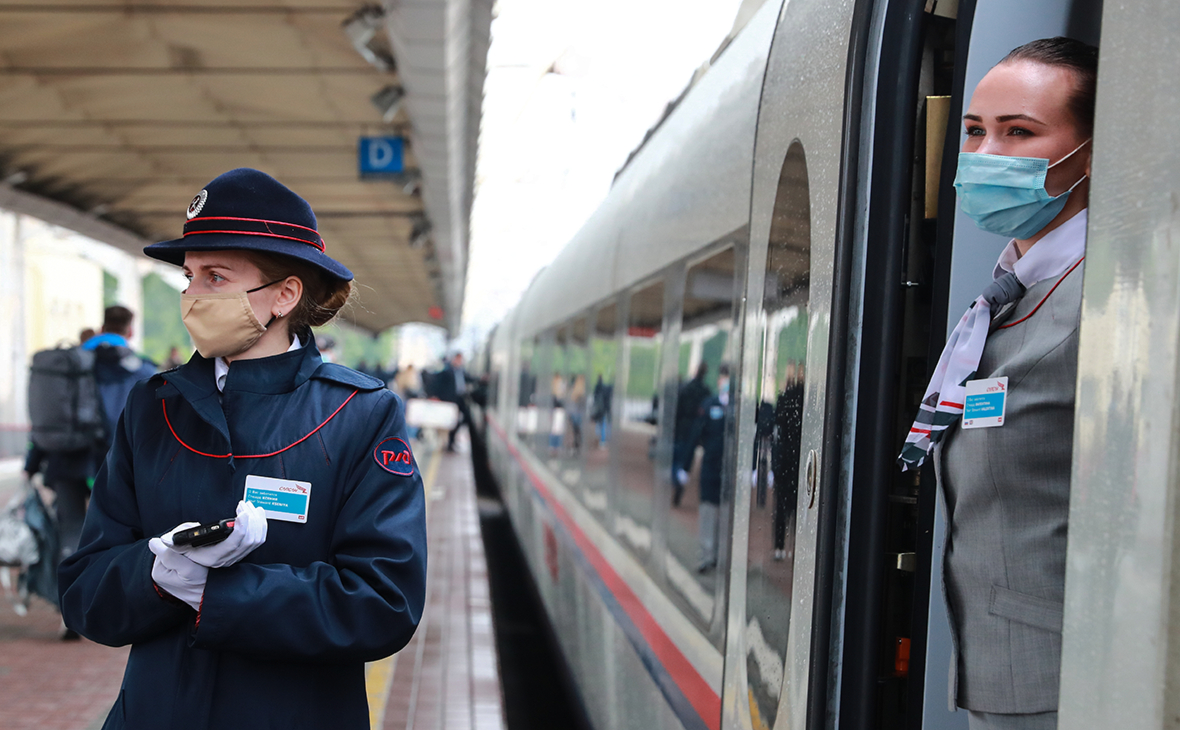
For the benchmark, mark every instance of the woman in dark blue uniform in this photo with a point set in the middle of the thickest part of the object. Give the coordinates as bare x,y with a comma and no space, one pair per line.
326,566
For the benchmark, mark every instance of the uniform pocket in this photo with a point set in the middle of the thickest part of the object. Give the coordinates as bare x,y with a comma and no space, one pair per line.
1040,613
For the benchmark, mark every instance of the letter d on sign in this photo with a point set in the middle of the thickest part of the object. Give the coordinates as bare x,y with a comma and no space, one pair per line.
379,157
380,154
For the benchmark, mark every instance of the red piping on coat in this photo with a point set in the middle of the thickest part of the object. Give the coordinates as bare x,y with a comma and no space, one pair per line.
164,406
1034,309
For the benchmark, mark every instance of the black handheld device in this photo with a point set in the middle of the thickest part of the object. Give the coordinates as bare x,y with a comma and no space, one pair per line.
204,534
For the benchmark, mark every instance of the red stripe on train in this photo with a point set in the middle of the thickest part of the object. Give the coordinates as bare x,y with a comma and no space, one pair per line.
698,692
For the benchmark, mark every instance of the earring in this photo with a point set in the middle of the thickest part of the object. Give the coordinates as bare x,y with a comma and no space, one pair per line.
280,314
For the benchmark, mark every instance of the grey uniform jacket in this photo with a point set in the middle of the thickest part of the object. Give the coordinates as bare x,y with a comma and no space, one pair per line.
1006,492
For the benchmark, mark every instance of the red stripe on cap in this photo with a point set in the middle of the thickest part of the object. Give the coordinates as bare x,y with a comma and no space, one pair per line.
320,246
264,229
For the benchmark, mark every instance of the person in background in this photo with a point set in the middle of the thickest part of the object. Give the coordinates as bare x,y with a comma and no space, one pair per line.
69,474
708,432
788,441
116,366
688,405
174,359
451,386
557,424
1024,174
85,335
407,383
576,409
603,393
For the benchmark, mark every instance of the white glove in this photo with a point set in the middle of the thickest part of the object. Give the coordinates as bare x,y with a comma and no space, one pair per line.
176,574
249,532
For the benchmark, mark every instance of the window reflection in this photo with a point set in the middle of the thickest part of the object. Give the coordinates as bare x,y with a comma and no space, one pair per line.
636,440
603,359
701,432
526,393
559,414
572,340
783,321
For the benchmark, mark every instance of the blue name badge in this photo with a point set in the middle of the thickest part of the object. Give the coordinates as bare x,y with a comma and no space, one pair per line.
983,405
281,499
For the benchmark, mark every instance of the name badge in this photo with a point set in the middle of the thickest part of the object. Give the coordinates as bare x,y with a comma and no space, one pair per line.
983,406
281,499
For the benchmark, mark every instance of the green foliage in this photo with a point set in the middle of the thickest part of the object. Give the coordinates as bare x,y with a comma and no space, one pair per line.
162,328
110,289
353,346
604,354
575,360
644,359
685,356
559,359
792,344
713,353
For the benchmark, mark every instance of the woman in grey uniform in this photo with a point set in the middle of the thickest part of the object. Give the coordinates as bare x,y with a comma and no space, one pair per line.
998,413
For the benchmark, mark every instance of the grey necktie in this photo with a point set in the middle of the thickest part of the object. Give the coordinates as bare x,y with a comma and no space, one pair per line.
1003,290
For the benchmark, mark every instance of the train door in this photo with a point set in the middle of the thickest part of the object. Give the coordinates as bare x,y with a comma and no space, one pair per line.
923,263
787,326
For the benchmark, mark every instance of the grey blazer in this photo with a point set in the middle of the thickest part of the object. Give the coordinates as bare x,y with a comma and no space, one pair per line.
1006,491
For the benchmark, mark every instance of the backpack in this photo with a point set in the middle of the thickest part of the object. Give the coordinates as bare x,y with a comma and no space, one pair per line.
65,410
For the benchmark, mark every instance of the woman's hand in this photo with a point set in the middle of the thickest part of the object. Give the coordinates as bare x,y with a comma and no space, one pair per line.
249,532
176,574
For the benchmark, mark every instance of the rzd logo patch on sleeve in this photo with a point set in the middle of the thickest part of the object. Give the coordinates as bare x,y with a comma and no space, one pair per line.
393,455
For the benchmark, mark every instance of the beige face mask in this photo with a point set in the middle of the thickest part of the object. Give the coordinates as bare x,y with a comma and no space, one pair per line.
221,324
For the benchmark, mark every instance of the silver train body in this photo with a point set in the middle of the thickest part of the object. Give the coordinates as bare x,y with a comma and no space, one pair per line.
793,220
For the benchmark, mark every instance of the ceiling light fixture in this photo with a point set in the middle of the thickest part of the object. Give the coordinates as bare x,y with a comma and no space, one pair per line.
363,29
420,233
388,101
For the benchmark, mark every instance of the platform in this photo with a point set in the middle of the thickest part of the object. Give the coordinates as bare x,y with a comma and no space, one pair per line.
447,677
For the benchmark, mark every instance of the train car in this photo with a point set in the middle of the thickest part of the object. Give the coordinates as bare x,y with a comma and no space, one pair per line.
790,231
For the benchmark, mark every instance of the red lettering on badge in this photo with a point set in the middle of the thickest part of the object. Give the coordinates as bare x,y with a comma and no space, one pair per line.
393,455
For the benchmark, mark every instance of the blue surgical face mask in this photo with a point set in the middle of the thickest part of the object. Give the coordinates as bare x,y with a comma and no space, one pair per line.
1006,195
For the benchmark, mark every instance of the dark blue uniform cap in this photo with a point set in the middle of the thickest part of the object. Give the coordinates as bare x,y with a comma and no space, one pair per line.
245,209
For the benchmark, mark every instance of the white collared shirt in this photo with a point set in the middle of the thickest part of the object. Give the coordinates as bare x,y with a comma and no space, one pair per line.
221,367
1057,251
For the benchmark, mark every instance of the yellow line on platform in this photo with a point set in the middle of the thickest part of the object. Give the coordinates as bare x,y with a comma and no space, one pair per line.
379,674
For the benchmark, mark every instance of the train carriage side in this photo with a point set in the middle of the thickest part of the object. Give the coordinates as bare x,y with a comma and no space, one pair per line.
583,434
826,599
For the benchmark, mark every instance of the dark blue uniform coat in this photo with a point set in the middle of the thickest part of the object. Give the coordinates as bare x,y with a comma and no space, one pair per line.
282,636
709,433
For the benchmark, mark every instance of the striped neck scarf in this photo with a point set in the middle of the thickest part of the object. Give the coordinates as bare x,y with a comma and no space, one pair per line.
942,403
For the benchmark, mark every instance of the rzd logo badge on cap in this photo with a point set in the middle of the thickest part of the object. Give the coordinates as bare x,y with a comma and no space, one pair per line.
194,208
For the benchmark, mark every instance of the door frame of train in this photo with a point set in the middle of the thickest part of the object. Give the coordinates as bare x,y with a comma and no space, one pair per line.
970,255
797,104
893,73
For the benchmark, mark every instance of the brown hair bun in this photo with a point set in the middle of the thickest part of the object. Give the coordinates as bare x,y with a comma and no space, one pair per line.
323,295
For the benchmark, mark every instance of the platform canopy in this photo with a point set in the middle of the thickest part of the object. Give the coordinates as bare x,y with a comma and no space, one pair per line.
120,112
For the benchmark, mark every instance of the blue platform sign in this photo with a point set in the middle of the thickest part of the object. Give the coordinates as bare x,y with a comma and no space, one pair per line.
379,156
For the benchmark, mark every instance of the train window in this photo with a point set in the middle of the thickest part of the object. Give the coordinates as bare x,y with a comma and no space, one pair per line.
526,393
574,384
637,436
543,355
603,360
701,432
559,413
783,323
